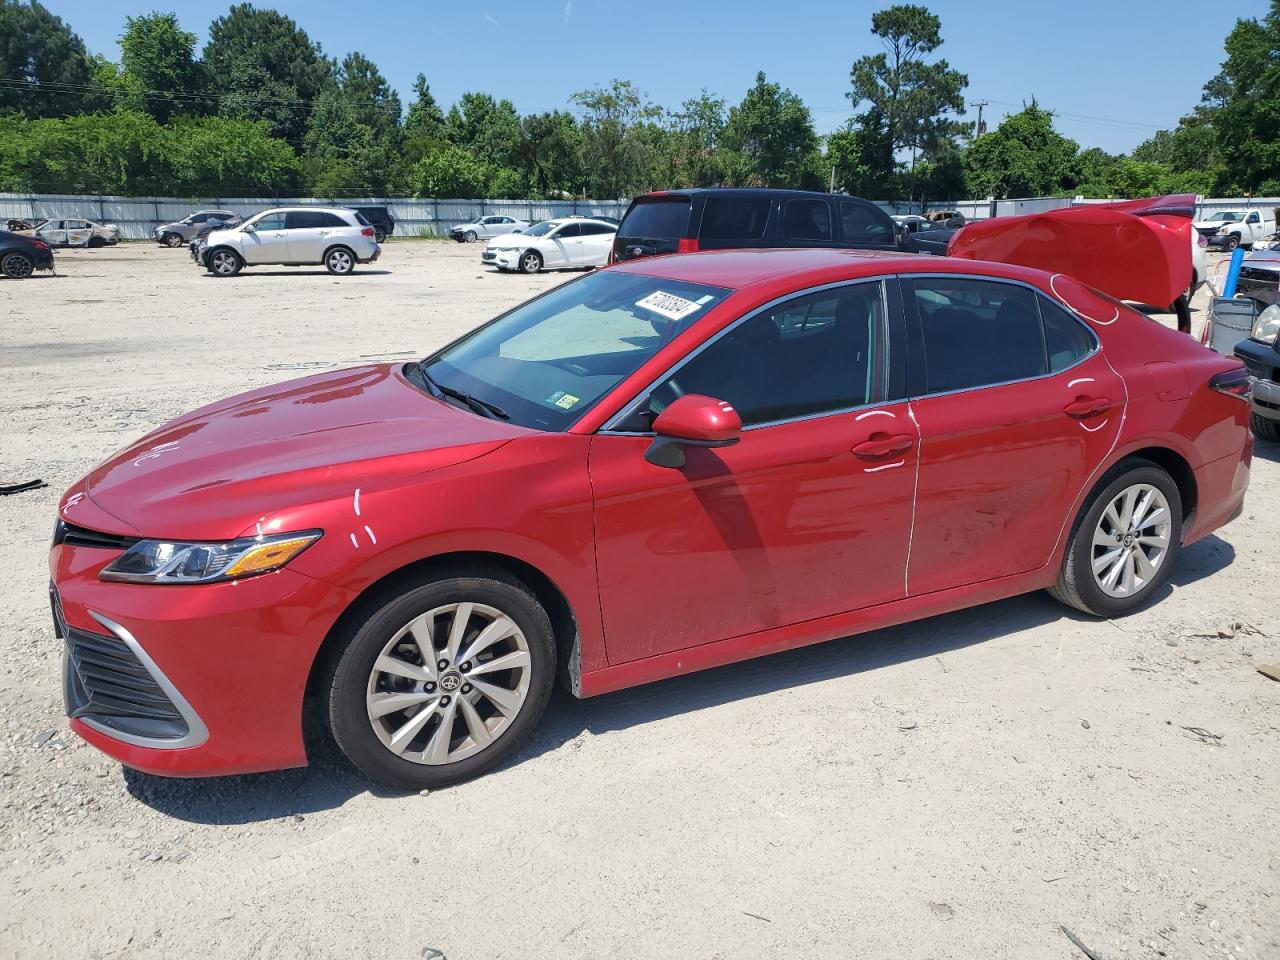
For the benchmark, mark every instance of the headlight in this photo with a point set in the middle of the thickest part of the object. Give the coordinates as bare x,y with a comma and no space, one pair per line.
504,249
167,561
1267,326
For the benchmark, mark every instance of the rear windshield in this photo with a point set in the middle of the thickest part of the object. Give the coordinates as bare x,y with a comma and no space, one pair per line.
659,218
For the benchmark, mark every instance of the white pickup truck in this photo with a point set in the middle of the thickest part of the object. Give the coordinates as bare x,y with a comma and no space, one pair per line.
1229,229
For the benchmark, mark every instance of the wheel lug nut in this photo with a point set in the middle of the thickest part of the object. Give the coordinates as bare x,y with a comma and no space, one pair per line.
444,701
466,688
443,664
465,666
429,686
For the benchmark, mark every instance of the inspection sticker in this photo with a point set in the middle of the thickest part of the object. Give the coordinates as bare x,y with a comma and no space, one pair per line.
669,305
565,401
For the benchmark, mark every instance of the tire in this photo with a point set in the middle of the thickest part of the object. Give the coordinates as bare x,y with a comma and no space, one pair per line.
172,239
224,262
1233,241
530,261
339,261
1182,309
1264,428
1079,586
17,266
379,235
96,241
389,748
470,236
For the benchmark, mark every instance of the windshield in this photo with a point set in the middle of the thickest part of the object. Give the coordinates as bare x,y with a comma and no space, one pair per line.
550,360
1226,216
542,229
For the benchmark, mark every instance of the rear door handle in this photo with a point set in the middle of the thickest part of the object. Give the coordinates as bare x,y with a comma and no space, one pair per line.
1082,408
881,445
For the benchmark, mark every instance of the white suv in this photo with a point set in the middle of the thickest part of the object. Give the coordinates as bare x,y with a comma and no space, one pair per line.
292,236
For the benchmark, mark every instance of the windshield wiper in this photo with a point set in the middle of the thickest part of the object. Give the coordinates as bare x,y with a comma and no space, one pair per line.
482,407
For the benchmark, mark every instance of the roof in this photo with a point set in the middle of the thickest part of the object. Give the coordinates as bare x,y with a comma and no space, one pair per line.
807,266
752,191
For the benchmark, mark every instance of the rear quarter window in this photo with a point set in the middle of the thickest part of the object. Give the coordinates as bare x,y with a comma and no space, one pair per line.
664,219
806,220
735,218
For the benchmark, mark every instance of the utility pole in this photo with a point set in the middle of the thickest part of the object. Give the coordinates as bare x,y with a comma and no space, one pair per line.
979,128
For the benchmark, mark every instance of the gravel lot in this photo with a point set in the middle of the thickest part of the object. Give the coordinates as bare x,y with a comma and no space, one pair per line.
956,787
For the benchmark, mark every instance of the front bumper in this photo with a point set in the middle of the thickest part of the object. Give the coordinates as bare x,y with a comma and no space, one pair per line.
506,259
231,660
1263,362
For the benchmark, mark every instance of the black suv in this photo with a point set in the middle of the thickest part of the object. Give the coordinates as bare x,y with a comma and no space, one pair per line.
720,218
380,219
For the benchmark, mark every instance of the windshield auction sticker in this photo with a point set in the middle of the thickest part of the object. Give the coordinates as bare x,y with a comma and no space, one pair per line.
565,401
668,305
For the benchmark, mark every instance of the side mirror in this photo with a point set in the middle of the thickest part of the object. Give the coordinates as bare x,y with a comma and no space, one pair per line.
249,228
692,421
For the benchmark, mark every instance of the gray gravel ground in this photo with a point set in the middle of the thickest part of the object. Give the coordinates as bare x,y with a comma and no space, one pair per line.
956,787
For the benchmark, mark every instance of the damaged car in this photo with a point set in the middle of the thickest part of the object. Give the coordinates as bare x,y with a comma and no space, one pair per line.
21,256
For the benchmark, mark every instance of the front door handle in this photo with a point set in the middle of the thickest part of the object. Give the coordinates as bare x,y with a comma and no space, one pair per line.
881,445
1082,408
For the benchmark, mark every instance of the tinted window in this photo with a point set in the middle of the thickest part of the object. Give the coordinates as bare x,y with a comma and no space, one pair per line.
735,218
663,219
593,229
360,219
200,218
569,230
333,220
978,332
274,221
806,220
1254,218
811,355
864,224
1066,338
306,219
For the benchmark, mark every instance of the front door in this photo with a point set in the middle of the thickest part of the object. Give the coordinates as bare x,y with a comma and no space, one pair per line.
1016,411
808,515
268,242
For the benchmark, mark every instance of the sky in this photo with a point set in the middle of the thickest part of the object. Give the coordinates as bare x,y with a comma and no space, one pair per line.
1114,72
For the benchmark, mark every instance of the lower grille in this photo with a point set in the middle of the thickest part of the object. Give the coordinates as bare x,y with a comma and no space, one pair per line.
106,684
1261,371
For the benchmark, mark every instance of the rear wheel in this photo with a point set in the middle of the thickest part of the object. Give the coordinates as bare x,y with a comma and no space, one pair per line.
530,261
442,682
340,261
225,263
1264,428
17,266
1124,545
379,235
172,240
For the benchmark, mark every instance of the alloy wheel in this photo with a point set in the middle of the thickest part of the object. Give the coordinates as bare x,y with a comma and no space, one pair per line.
1131,540
340,262
18,267
532,263
471,236
449,683
224,263
173,240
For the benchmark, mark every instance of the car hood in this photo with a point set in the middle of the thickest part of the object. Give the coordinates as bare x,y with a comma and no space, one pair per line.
1216,224
219,470
512,238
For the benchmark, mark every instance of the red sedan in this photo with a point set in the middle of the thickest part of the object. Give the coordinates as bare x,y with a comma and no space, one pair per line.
657,468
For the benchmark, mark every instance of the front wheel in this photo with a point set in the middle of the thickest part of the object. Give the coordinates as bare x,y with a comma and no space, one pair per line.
225,263
1264,428
530,261
172,240
442,682
470,236
1233,241
340,261
1124,545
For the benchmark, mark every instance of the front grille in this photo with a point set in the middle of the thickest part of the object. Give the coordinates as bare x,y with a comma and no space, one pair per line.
74,536
1256,369
489,255
106,683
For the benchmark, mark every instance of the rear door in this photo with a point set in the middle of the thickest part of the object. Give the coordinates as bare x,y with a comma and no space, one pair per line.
656,223
734,220
78,232
1017,407
807,222
597,241
308,235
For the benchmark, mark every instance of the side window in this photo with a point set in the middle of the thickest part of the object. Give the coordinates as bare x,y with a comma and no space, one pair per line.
805,219
978,332
273,221
1066,339
734,218
569,230
304,219
333,220
1255,218
811,355
200,218
594,229
864,225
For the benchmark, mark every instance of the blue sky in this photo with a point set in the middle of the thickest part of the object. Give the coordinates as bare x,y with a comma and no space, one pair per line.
1114,71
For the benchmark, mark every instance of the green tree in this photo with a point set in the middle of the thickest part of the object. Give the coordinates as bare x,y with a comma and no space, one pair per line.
450,172
44,68
905,100
160,74
265,67
425,119
489,128
1023,157
550,153
769,140
1247,123
617,128
693,142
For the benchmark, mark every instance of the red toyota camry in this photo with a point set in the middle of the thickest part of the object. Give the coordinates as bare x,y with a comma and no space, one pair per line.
660,467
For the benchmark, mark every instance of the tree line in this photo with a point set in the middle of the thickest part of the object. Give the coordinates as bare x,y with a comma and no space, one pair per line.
262,110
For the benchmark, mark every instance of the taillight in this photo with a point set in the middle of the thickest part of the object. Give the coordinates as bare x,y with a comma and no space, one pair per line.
687,246
41,246
1202,240
366,231
1234,383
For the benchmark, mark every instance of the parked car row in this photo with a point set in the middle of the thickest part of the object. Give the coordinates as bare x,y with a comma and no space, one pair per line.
68,232
182,232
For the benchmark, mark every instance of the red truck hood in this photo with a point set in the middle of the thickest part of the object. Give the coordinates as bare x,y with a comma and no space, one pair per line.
1136,250
216,471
